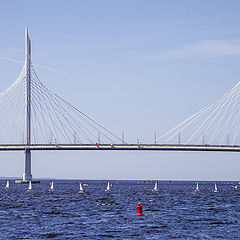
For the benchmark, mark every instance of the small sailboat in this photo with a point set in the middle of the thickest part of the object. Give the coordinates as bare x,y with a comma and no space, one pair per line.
80,187
108,188
51,188
29,186
155,187
215,188
197,189
7,185
235,186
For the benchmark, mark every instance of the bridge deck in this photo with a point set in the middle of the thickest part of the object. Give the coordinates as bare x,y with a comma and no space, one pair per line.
121,147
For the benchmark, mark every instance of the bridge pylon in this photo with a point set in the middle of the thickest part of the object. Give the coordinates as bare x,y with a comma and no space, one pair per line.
27,175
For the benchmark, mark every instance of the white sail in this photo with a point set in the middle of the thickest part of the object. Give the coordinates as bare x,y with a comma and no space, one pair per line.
108,187
29,186
155,187
197,189
52,186
7,184
80,187
215,188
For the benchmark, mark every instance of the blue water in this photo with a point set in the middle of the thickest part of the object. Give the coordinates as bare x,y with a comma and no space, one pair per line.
175,212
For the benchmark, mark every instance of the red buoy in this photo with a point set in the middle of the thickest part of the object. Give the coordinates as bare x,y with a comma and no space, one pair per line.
139,210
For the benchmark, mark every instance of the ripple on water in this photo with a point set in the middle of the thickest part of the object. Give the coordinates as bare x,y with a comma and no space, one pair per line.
51,235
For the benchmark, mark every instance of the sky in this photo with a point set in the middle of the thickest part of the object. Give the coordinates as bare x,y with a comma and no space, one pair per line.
134,66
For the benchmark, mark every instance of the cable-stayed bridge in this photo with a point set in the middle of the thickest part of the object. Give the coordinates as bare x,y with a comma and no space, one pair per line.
35,118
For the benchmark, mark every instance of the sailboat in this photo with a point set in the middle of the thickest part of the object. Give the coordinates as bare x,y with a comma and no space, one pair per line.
81,189
155,187
215,188
51,188
29,186
108,187
197,189
7,185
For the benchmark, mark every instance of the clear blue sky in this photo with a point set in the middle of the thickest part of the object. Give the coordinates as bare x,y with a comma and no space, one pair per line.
137,66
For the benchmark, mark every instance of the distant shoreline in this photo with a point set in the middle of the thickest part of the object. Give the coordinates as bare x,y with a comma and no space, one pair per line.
145,180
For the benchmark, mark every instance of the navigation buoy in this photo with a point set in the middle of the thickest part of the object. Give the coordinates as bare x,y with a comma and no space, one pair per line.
139,210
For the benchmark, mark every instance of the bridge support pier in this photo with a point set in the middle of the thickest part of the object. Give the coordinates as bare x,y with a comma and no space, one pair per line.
27,176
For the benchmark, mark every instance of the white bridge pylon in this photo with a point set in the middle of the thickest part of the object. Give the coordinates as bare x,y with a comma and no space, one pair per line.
27,175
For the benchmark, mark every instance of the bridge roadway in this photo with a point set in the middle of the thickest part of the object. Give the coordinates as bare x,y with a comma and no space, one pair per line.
121,147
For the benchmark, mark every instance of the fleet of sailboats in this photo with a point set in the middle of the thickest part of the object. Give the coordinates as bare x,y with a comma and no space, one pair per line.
81,190
215,188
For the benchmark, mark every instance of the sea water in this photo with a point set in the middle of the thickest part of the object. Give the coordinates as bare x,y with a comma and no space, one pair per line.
174,212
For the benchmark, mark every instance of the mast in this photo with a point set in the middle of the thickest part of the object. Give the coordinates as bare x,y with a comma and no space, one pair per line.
27,176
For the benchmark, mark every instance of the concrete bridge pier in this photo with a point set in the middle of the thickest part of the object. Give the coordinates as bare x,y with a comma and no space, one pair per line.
27,176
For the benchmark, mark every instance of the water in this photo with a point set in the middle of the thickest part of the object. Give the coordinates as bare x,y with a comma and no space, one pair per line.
175,212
